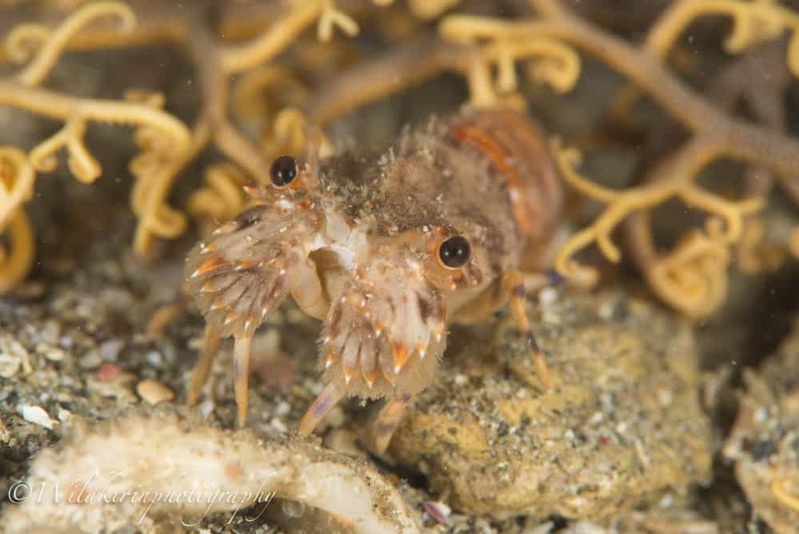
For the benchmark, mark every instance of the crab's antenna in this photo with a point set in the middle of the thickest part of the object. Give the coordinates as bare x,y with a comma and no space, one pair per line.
317,147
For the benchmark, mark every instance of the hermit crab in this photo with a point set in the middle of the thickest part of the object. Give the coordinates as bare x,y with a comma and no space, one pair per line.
385,247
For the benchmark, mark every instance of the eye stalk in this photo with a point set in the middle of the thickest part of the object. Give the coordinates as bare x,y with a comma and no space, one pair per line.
283,171
454,252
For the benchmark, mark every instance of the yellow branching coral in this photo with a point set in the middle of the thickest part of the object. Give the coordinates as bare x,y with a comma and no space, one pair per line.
331,18
755,256
622,203
754,21
262,91
786,491
793,243
166,145
16,188
221,196
41,49
692,278
556,64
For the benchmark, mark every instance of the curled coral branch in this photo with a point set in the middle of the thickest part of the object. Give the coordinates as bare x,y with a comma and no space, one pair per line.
167,146
24,40
54,44
16,182
261,90
556,64
14,265
430,9
288,134
692,278
697,256
16,188
163,138
752,254
754,22
155,172
785,490
222,197
63,107
240,57
793,243
81,163
160,130
732,214
331,18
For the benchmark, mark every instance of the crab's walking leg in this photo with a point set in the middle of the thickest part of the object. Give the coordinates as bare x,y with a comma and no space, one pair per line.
241,373
387,421
327,399
199,375
518,300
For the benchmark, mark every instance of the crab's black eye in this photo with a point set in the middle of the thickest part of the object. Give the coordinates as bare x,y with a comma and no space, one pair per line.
283,171
454,251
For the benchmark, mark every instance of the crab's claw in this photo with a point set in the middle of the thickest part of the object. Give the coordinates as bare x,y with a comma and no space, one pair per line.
382,337
240,273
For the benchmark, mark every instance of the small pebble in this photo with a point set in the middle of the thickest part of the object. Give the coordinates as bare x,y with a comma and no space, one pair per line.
543,528
50,332
292,508
90,360
154,358
36,415
548,296
9,365
206,408
761,415
64,415
437,510
282,409
53,354
108,372
596,418
551,318
606,309
109,350
278,425
13,356
584,527
117,299
66,342
153,391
